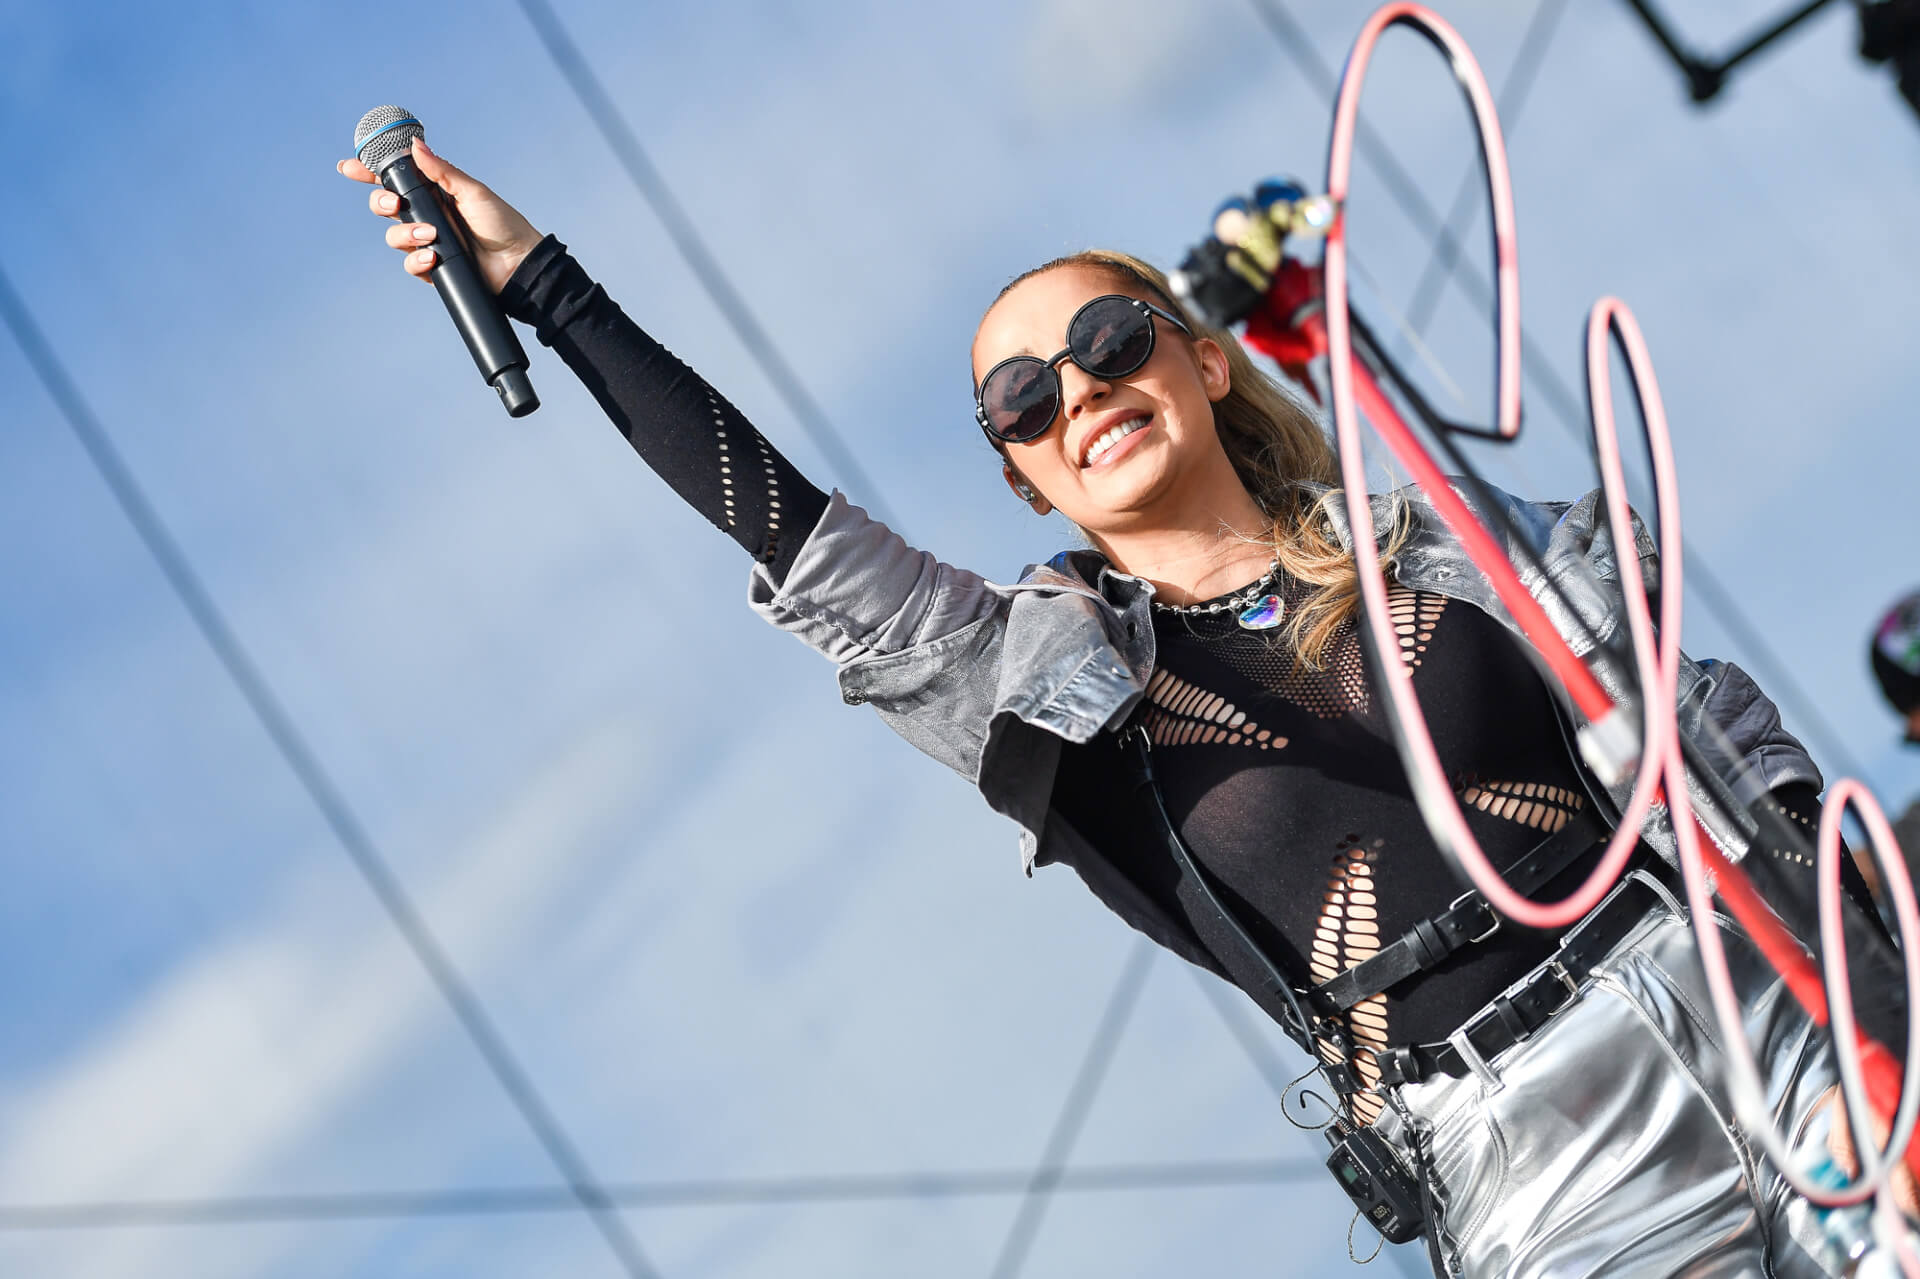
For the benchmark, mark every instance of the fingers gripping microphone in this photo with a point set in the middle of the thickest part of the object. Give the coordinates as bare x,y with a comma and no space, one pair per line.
383,141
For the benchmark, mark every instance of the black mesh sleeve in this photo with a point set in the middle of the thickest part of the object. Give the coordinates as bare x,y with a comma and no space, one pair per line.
684,429
1781,865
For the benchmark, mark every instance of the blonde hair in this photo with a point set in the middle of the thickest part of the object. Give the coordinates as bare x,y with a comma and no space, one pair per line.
1279,451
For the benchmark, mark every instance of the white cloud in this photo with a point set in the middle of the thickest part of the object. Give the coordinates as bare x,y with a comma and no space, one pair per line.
240,1057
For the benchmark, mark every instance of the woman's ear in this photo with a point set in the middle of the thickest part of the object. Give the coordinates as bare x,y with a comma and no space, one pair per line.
1023,490
1214,374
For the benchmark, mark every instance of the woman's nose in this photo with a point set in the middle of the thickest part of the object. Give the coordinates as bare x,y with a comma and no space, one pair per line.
1080,389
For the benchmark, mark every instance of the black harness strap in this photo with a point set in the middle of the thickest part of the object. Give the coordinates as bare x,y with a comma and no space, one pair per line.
1246,963
1469,919
1530,1004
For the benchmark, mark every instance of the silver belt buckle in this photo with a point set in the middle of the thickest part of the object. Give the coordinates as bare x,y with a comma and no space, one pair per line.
1559,970
1472,941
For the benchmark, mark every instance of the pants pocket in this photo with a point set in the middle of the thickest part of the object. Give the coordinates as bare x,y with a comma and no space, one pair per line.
1471,1167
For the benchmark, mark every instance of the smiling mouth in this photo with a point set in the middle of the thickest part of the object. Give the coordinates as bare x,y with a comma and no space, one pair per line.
1112,436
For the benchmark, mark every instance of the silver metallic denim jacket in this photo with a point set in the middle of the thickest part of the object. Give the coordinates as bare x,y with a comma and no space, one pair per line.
990,679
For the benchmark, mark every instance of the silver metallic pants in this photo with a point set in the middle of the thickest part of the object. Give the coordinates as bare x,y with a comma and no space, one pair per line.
1605,1144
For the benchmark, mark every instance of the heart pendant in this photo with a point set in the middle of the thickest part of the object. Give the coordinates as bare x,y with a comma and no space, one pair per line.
1264,615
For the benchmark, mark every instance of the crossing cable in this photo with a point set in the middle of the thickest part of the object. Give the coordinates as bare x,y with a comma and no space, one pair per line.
654,189
533,1200
1405,192
1444,262
1047,1175
1227,1003
305,764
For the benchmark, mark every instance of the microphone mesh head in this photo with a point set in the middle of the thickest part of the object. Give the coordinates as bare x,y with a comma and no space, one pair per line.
383,135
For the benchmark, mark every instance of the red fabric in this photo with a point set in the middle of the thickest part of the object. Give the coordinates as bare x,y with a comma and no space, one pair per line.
1274,330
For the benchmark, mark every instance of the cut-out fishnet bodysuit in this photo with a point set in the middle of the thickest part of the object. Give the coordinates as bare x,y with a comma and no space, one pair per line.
1285,783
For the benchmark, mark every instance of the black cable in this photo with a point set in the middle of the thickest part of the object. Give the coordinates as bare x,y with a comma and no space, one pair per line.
1706,78
1681,56
1719,600
529,1200
1045,1178
659,196
305,765
1232,1009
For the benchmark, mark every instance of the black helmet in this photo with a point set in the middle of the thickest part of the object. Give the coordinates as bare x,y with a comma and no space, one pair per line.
1895,654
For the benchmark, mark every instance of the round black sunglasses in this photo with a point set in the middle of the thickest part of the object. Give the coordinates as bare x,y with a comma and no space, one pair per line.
1109,337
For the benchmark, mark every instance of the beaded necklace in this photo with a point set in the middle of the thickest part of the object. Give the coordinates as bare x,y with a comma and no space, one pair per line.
1258,608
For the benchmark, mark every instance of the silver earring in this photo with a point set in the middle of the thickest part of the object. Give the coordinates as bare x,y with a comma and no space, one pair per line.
1025,491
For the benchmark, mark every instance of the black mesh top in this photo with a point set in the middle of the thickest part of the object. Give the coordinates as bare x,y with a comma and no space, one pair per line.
1286,785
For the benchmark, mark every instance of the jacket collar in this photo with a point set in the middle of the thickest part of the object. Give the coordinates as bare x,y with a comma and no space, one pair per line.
1085,571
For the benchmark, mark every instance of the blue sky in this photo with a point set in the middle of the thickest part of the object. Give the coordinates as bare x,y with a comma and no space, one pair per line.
733,928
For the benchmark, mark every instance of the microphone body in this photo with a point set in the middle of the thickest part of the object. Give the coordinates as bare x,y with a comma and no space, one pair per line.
383,142
475,312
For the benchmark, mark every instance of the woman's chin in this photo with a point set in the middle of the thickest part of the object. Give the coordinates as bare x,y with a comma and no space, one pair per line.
1123,501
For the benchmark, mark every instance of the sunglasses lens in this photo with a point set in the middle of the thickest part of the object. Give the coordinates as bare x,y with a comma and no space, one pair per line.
1111,337
1021,398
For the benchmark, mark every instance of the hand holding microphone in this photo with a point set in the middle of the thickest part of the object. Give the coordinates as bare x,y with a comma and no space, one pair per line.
457,234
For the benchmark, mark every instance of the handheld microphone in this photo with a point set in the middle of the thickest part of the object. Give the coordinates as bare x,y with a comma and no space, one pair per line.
383,141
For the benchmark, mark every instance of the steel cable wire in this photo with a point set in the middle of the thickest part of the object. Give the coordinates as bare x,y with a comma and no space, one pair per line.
530,1200
1073,1111
1443,263
304,762
658,193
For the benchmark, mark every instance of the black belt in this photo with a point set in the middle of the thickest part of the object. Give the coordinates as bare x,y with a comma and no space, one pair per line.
1517,1014
1467,920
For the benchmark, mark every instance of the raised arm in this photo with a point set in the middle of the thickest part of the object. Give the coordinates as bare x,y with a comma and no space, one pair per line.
691,436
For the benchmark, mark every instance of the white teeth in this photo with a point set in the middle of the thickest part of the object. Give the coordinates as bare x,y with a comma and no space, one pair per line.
1108,439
